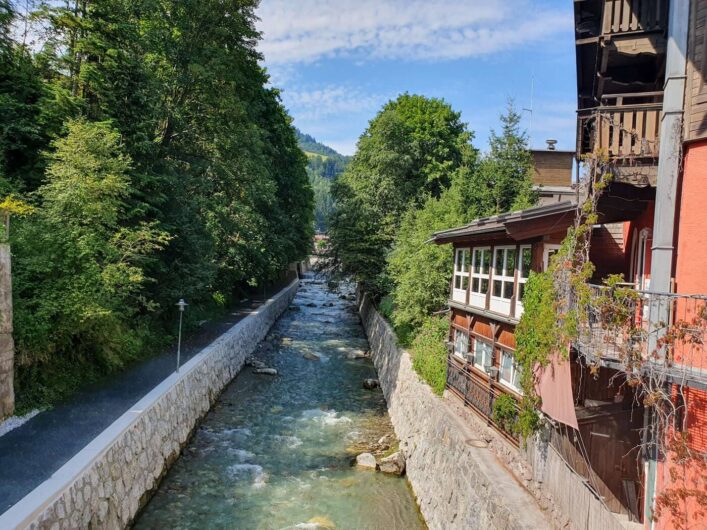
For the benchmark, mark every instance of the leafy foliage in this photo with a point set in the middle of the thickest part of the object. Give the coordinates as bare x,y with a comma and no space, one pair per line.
324,165
160,166
429,355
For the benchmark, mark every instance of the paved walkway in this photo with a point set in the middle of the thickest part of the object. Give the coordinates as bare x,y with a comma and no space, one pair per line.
31,453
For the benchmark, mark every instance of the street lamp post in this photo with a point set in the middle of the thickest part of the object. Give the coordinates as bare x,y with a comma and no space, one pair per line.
181,304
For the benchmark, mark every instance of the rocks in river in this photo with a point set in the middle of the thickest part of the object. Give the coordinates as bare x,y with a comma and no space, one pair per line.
366,461
311,304
255,363
393,464
322,522
311,356
370,384
358,354
294,308
265,371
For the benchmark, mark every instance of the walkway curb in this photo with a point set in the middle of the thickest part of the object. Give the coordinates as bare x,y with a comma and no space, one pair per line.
109,480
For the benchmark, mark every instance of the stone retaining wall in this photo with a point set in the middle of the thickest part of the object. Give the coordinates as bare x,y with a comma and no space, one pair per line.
106,484
459,482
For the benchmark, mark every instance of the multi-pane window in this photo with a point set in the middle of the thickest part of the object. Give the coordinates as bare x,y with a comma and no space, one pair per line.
524,265
549,251
504,264
461,274
461,344
503,272
483,353
480,270
509,373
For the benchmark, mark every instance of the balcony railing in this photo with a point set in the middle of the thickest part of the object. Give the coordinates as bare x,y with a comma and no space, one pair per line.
641,330
627,16
477,394
624,132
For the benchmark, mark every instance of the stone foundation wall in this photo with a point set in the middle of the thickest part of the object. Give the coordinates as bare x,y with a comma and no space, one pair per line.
106,484
458,481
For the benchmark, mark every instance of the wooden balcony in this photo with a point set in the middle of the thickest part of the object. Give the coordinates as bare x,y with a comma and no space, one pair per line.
635,336
627,133
630,16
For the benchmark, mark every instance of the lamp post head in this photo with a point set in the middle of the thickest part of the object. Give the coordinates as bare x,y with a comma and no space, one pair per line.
182,304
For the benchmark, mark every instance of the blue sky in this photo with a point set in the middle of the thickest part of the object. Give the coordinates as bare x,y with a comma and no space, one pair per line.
338,61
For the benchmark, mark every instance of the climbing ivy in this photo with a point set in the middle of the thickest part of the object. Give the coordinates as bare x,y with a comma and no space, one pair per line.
553,300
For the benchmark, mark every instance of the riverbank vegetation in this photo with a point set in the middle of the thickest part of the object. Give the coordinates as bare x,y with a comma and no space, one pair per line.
159,165
324,165
415,172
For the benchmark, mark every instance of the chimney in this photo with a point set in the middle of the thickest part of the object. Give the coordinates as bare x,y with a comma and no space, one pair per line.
550,144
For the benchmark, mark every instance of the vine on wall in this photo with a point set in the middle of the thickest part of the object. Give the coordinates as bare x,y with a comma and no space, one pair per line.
559,304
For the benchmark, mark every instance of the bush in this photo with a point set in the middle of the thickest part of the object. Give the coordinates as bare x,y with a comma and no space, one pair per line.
429,354
505,414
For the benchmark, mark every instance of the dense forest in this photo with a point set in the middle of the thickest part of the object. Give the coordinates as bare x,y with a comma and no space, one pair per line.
416,172
323,167
150,161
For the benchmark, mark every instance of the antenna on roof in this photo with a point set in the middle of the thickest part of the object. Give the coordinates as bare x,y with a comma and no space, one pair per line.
529,110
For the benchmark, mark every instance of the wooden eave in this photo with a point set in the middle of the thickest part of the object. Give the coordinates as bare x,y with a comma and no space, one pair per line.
517,227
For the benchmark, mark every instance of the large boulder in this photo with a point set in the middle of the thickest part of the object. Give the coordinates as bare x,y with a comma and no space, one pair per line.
393,464
366,461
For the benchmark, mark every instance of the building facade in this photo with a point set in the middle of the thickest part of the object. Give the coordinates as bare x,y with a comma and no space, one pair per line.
642,109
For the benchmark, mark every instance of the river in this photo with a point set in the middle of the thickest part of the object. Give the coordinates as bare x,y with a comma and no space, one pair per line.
276,452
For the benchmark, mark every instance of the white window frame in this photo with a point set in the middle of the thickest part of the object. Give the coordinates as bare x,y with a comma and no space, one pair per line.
461,342
547,248
487,355
461,271
478,299
521,280
501,304
514,382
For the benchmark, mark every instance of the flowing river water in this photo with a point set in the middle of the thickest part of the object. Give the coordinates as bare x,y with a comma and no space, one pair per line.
276,452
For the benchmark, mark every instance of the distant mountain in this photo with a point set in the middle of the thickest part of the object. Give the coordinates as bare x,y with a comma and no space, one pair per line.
324,166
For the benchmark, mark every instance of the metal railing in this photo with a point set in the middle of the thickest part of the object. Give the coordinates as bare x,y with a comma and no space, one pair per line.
476,393
643,329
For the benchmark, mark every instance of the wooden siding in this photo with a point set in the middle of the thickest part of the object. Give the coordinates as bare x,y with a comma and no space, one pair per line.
552,168
696,89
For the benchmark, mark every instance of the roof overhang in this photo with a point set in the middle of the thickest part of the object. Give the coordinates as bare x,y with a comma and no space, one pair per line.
518,226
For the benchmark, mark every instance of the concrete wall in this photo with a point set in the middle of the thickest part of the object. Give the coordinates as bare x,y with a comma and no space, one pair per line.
459,482
106,484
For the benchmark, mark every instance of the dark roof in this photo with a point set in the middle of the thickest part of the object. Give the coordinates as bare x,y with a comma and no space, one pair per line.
519,225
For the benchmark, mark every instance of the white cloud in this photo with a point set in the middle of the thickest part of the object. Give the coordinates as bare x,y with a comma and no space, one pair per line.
307,30
315,104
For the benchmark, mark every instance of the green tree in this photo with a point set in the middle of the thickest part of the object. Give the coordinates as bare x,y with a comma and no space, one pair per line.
505,182
80,274
408,153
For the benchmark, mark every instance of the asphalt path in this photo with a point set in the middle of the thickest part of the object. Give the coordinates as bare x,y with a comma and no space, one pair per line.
31,453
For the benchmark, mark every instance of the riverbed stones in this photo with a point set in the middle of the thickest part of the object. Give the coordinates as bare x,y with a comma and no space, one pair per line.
265,371
366,461
358,354
255,363
311,356
393,464
370,384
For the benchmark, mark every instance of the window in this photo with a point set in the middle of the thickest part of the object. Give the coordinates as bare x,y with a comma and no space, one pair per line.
509,373
548,253
504,264
461,344
524,265
461,275
480,269
483,354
